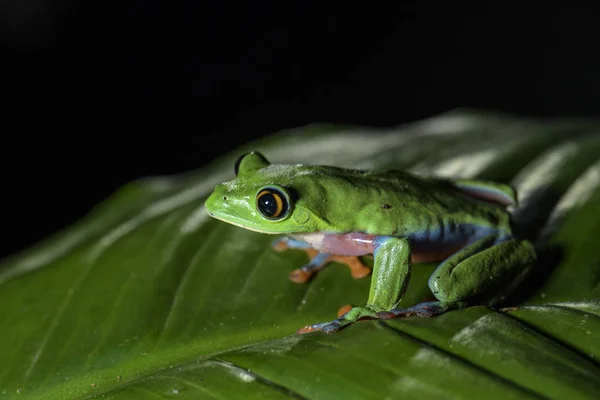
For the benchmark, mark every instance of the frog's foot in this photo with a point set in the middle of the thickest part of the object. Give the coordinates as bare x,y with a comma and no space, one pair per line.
429,309
321,260
318,262
355,314
357,268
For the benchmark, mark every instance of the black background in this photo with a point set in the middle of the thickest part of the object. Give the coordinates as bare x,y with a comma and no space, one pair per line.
99,93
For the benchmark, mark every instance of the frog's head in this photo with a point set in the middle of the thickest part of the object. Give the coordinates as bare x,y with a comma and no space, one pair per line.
267,198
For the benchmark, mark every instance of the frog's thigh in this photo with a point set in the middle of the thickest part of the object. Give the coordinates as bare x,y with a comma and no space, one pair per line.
391,273
482,270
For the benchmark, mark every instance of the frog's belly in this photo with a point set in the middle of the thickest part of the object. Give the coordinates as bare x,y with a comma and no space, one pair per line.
348,244
425,247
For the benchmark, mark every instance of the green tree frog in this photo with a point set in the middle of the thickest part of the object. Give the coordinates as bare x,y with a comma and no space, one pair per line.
399,218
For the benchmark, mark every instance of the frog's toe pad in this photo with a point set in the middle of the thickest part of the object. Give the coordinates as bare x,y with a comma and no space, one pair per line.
280,245
349,317
299,275
326,327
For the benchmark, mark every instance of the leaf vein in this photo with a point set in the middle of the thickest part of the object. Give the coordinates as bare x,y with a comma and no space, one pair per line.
465,361
263,380
63,307
196,386
560,343
178,295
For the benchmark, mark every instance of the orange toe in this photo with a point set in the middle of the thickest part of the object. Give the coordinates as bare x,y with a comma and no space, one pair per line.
344,309
299,276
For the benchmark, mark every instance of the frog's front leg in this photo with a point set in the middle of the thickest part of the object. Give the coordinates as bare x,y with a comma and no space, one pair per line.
318,260
480,274
391,273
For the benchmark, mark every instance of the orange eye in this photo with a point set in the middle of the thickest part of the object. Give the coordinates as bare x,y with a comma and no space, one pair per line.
272,203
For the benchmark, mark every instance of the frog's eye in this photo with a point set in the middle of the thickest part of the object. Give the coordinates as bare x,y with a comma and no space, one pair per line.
251,161
236,168
272,203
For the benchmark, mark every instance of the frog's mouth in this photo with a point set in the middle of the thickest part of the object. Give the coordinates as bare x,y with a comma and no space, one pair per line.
239,222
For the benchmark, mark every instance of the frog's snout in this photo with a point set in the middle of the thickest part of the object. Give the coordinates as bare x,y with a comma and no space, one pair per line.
217,200
212,202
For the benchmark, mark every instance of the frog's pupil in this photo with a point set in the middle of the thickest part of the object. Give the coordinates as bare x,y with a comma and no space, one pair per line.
267,204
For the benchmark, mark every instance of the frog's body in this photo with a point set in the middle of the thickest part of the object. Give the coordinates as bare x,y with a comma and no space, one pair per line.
396,204
338,214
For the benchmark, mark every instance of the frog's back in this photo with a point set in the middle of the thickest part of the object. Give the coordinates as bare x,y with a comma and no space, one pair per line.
398,203
454,193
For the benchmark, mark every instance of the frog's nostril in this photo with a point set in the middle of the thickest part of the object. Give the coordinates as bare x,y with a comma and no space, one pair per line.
225,198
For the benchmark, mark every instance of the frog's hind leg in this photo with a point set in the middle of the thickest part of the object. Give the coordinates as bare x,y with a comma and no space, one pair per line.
427,309
480,274
319,260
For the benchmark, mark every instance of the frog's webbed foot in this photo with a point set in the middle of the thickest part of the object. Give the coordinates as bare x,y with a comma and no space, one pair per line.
426,310
319,260
357,268
353,315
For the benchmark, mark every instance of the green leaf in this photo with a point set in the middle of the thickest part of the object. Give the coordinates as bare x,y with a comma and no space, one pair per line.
148,298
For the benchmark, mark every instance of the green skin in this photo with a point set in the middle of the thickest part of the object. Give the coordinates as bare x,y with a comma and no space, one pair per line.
398,217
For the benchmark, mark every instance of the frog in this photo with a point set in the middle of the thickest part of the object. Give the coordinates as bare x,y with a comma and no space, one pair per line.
397,217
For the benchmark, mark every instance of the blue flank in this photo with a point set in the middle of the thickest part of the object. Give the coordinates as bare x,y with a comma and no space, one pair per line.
450,235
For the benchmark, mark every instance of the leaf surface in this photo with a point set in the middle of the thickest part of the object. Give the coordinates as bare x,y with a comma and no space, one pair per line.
149,298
